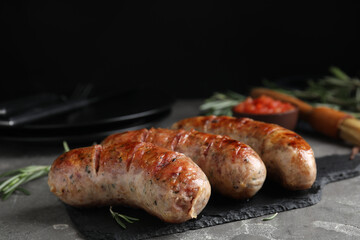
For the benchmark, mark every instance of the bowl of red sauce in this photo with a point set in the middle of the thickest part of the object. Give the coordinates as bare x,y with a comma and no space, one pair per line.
267,109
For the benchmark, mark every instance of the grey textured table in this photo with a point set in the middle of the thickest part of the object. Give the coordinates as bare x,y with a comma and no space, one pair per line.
42,216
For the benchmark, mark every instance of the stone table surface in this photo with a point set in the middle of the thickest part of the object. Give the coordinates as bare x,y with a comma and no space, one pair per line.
42,216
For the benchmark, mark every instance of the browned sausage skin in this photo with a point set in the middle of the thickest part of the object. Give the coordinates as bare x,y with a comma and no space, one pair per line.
166,184
288,157
233,168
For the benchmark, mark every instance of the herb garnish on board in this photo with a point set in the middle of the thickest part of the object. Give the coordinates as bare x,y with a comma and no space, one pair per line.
338,91
221,103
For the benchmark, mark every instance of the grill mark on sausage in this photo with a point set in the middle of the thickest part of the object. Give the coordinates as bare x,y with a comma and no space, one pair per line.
145,135
206,124
166,159
237,150
209,145
176,139
224,140
96,158
183,138
132,155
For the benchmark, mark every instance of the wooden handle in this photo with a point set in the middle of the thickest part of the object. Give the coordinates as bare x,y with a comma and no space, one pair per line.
350,130
327,120
304,108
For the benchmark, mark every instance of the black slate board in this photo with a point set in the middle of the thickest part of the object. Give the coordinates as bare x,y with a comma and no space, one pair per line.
98,224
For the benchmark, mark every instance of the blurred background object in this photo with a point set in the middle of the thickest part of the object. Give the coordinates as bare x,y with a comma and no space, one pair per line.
161,51
191,49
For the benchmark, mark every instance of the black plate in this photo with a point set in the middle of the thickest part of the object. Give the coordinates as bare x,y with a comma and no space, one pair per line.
127,111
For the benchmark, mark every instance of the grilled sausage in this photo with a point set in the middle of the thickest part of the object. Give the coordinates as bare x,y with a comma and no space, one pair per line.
233,168
164,183
288,157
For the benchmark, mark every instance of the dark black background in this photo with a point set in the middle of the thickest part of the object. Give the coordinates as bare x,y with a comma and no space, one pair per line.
187,48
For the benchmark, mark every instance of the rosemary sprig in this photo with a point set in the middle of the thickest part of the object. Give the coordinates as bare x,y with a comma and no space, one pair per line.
16,178
118,217
338,89
19,177
221,103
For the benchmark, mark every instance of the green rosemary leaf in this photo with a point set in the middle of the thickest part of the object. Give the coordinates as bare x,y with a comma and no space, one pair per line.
270,218
338,73
221,103
6,196
132,218
8,182
118,216
23,190
66,146
117,219
11,187
18,177
9,173
127,218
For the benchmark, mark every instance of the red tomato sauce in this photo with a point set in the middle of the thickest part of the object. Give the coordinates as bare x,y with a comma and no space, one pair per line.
262,105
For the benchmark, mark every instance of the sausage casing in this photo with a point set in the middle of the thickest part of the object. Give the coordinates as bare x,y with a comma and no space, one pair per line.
165,183
289,159
234,169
